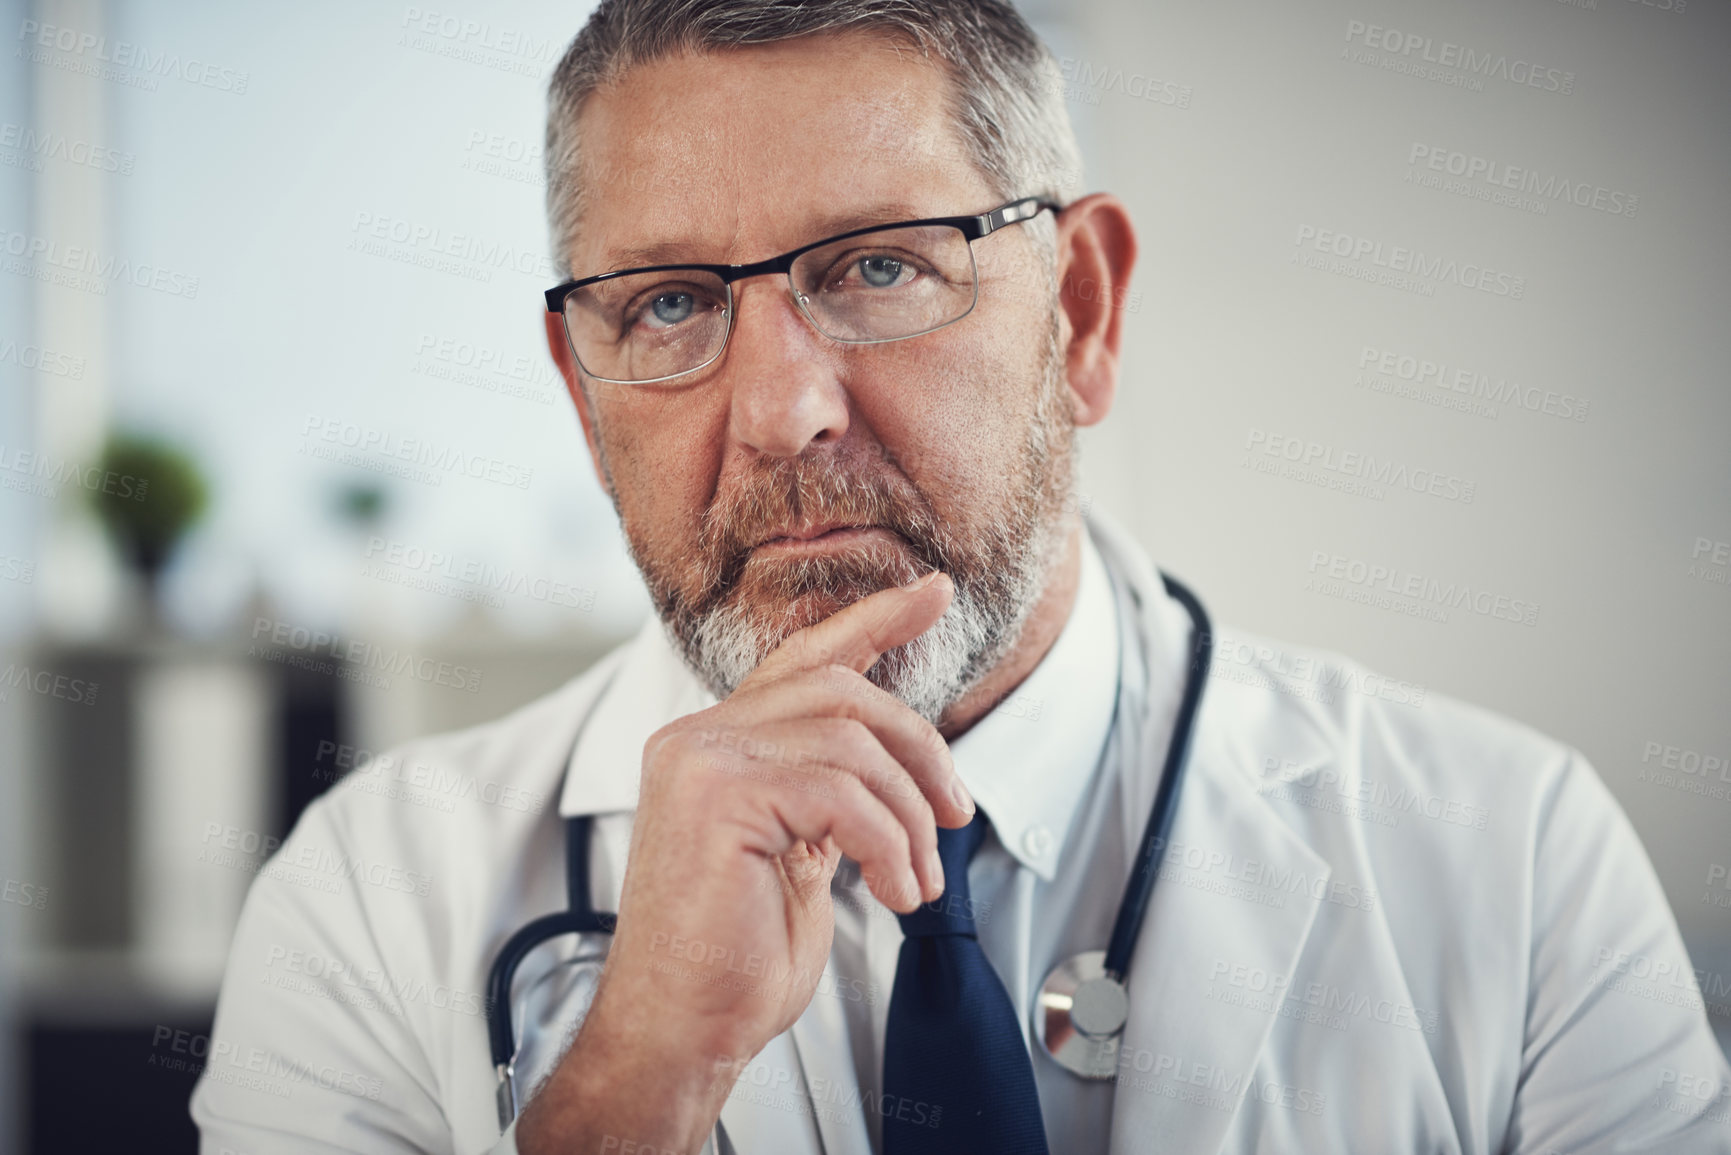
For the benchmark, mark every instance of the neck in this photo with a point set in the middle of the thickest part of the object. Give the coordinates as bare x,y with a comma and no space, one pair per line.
1041,629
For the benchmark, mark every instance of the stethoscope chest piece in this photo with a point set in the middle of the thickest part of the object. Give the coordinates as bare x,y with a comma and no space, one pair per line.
1079,1016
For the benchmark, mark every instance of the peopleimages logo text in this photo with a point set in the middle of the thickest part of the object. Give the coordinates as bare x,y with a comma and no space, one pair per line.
365,443
1355,464
1447,54
1472,383
363,655
1416,263
81,261
1379,577
1519,178
87,46
49,145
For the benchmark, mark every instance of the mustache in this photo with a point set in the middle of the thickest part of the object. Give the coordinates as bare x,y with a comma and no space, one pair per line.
791,491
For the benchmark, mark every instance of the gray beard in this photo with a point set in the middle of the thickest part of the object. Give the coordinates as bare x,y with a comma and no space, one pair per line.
999,577
930,673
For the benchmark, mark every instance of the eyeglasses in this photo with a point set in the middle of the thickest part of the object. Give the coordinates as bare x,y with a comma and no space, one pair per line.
882,283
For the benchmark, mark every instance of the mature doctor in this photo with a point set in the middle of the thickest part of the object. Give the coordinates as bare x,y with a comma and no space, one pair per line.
894,666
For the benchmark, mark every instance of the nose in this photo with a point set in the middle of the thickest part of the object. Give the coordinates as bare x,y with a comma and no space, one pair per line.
787,394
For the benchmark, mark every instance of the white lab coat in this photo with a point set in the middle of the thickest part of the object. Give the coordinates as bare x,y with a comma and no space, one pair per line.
1386,922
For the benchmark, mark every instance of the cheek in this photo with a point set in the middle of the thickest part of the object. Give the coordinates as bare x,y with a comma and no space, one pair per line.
664,456
950,431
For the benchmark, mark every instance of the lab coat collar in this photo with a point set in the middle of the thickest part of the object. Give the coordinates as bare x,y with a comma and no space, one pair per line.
1029,761
1185,1064
650,688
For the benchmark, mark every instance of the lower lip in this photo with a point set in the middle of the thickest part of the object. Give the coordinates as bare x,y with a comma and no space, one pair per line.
835,539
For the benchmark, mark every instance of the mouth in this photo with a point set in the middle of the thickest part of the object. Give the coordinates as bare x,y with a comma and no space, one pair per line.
822,538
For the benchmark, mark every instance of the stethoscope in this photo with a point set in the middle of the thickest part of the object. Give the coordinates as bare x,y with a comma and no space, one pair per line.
1080,1011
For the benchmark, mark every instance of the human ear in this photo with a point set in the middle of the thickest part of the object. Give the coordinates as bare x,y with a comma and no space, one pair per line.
1096,251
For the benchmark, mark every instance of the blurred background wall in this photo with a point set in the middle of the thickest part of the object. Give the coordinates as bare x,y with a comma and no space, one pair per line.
1426,364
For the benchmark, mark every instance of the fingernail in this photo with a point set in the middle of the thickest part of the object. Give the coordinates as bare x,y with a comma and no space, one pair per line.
921,582
935,869
961,797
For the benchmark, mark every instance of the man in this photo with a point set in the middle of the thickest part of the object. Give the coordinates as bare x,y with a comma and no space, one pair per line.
897,676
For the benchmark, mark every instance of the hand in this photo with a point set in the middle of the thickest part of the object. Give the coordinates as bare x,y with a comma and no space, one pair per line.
725,921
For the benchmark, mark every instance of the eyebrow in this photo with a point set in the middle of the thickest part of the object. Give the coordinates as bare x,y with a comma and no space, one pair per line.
679,252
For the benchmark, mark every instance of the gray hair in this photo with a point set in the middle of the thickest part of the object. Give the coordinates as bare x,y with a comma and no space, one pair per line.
1009,103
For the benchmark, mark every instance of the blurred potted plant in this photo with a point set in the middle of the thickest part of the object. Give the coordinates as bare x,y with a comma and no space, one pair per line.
150,494
361,505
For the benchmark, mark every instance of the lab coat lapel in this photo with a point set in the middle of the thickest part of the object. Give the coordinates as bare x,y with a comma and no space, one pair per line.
1235,888
1186,1061
820,1037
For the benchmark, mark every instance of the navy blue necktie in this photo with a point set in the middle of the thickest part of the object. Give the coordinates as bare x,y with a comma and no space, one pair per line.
957,1078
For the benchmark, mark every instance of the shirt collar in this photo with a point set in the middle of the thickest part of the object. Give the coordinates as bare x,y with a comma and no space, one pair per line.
1026,762
1029,761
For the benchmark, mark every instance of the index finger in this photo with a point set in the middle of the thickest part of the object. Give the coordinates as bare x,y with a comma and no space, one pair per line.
858,635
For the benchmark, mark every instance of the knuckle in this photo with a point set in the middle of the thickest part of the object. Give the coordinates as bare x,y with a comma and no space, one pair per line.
856,797
799,646
897,842
838,676
662,748
923,834
902,850
876,631
684,745
804,648
939,750
855,792
773,671
928,816
848,734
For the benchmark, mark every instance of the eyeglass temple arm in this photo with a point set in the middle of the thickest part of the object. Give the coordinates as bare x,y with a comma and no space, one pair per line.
1015,212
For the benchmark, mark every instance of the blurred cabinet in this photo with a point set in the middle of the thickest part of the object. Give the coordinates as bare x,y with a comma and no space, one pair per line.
159,790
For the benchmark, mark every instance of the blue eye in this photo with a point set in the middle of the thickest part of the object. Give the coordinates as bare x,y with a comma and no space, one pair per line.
880,272
671,308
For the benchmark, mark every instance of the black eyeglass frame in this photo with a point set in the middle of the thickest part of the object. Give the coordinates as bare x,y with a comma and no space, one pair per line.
972,228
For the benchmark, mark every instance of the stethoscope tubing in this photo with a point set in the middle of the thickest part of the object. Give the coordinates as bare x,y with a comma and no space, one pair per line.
1139,888
579,917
